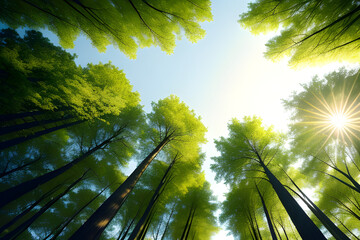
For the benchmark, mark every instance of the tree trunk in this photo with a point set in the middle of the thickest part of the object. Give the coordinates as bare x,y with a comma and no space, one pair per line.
190,224
141,224
96,224
305,226
15,192
186,224
27,125
23,213
330,226
21,228
168,222
14,116
273,234
76,213
18,140
3,174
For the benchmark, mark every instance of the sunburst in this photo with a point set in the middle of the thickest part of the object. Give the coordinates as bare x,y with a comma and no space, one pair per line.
337,116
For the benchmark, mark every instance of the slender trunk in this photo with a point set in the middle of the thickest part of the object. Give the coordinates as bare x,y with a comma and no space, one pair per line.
283,228
144,231
347,228
18,140
140,225
19,168
186,224
168,222
14,116
257,227
123,229
330,226
28,209
55,229
132,222
77,212
96,224
27,125
251,221
190,224
273,235
14,193
158,229
305,226
21,228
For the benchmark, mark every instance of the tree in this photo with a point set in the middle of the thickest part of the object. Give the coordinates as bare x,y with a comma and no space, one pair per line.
174,127
44,91
312,32
252,146
193,217
127,25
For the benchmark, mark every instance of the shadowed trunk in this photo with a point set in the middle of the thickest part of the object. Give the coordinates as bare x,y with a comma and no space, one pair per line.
28,209
168,222
17,231
27,125
270,224
96,224
13,193
141,224
18,140
330,226
19,168
76,213
305,226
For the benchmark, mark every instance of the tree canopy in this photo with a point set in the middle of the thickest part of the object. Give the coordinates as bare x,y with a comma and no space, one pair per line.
127,25
311,32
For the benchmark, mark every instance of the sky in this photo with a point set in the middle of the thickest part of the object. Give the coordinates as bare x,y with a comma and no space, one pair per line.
221,77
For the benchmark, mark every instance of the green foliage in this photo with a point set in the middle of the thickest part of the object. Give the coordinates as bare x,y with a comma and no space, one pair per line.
312,32
127,25
204,222
237,151
38,75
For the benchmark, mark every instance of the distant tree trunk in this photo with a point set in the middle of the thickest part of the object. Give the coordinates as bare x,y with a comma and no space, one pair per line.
28,209
21,228
190,224
273,234
305,226
168,222
27,125
77,212
131,223
330,226
15,116
96,224
15,192
254,231
141,224
18,140
5,173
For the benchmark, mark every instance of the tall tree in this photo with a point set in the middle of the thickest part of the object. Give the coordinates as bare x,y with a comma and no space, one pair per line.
44,91
250,145
312,32
173,126
127,25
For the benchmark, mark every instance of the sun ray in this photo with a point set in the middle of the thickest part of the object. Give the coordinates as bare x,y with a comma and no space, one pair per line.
336,115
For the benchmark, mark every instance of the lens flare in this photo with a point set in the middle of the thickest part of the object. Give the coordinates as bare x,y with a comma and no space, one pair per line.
337,115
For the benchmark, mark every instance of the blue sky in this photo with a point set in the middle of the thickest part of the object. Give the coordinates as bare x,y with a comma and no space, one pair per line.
221,76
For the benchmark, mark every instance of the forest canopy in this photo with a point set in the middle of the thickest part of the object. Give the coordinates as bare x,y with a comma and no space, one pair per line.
81,158
126,25
310,32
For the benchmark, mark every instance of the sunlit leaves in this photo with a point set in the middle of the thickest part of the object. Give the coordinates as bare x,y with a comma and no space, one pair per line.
127,25
312,32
